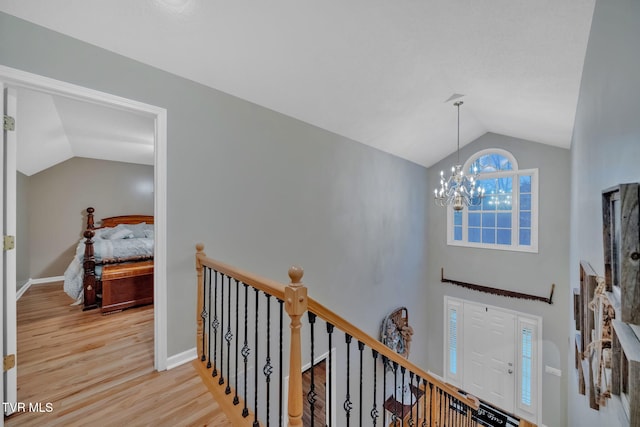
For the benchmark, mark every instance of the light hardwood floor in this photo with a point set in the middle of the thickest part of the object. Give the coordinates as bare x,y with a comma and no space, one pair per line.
98,370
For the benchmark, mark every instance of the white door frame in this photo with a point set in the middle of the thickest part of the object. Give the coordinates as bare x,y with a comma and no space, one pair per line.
10,389
19,78
520,318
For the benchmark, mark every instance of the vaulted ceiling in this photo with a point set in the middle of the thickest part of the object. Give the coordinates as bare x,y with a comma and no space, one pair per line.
379,72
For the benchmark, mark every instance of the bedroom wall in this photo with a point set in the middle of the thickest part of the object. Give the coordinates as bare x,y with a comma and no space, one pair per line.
605,152
59,196
531,273
263,191
22,230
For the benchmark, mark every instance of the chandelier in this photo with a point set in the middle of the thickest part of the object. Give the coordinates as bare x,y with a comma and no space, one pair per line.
459,190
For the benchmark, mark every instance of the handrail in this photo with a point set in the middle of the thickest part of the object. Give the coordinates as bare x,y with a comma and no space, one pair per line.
271,287
327,315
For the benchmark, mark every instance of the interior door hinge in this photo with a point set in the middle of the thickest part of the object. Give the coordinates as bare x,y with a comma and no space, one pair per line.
9,123
9,242
9,362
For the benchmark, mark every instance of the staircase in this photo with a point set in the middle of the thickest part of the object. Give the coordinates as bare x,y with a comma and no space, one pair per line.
254,365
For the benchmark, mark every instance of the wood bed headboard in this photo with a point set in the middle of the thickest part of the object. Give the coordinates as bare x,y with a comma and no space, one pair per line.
115,220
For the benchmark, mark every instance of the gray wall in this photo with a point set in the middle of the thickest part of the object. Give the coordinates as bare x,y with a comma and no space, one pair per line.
605,152
261,190
531,273
22,230
59,196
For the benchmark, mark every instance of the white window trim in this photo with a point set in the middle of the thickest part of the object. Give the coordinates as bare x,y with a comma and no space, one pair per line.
515,217
453,304
533,412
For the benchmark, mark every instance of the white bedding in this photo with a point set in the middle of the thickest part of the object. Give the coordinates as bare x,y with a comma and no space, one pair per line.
121,243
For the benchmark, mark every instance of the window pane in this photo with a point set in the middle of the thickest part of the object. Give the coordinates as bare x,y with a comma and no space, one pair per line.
525,236
504,220
490,185
525,219
453,341
525,184
491,163
474,219
503,202
525,202
504,237
488,235
474,234
457,218
526,366
489,203
488,219
457,233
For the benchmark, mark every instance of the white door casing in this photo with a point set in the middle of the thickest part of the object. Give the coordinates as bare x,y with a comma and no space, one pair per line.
18,78
9,256
2,299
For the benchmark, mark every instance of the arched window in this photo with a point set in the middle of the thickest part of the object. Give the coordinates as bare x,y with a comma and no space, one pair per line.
507,218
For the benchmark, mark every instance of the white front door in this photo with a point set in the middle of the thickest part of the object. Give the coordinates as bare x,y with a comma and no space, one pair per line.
489,355
8,259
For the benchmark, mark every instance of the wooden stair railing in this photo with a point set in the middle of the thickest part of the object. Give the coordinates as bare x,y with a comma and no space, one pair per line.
441,404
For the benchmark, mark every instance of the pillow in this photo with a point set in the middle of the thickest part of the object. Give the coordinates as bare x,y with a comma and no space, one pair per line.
138,230
103,233
121,233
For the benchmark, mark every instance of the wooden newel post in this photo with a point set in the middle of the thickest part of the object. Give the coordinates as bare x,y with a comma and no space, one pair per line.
89,266
295,297
200,299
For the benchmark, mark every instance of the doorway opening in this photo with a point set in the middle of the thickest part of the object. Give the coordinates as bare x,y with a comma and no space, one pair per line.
13,78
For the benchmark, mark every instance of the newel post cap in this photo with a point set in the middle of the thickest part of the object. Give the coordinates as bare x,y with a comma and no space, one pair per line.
295,294
295,274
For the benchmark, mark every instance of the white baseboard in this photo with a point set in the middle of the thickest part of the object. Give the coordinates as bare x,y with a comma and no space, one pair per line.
46,280
40,281
182,358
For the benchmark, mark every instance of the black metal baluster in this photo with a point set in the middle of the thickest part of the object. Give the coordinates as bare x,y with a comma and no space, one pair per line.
221,380
374,409
245,352
361,349
280,389
347,402
311,395
207,269
255,378
228,337
214,325
268,369
236,399
411,400
330,402
395,392
204,315
402,370
418,401
385,361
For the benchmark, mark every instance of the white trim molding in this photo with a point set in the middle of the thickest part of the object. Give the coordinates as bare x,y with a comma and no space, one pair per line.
19,78
182,358
24,288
